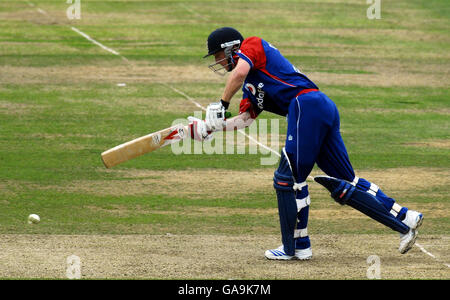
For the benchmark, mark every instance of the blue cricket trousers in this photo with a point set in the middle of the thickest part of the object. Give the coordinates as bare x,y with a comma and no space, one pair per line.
313,136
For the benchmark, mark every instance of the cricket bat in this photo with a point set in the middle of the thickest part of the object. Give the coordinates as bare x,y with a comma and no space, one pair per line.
144,144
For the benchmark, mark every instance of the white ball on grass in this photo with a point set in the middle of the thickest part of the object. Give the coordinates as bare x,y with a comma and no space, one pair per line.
33,219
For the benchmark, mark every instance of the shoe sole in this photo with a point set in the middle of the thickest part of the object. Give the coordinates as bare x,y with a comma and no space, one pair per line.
304,258
410,243
278,258
291,258
413,240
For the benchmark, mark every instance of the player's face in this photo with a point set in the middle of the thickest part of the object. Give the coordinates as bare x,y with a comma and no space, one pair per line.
220,58
221,65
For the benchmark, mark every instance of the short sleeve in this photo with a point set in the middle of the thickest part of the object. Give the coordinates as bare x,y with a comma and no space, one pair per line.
252,51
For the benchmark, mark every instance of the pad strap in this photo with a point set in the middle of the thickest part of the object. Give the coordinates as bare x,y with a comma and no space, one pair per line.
298,233
299,186
373,189
395,209
301,203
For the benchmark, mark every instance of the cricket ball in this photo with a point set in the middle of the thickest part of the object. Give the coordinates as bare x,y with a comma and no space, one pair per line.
33,219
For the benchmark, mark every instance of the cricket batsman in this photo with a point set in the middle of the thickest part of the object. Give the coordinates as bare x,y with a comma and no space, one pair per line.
270,82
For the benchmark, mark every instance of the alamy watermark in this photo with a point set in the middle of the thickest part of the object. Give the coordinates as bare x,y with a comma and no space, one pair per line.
374,10
374,269
73,12
73,270
231,141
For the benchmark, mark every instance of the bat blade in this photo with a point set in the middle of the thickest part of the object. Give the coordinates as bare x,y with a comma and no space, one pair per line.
143,145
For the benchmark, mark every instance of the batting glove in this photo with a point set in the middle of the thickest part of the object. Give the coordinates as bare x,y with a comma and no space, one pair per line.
215,116
199,130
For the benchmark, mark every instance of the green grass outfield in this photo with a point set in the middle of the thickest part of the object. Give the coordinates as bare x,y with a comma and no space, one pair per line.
60,107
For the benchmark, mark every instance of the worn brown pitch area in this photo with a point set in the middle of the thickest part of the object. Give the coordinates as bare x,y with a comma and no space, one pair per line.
217,257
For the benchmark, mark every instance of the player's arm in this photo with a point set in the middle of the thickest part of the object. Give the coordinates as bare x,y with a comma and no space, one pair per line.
236,79
199,130
240,121
247,114
215,112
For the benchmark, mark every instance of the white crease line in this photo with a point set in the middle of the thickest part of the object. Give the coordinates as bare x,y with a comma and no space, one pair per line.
425,251
94,41
430,254
98,43
185,96
41,11
194,12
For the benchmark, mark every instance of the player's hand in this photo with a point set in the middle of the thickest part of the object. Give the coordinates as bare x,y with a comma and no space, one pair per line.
215,116
199,130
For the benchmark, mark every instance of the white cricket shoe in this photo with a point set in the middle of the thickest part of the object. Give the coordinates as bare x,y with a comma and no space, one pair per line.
413,220
303,254
279,254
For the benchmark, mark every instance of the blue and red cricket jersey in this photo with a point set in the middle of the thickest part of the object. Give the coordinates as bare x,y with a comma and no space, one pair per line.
275,85
272,81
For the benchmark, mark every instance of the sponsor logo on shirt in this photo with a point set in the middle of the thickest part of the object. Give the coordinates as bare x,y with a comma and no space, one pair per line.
257,92
260,95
